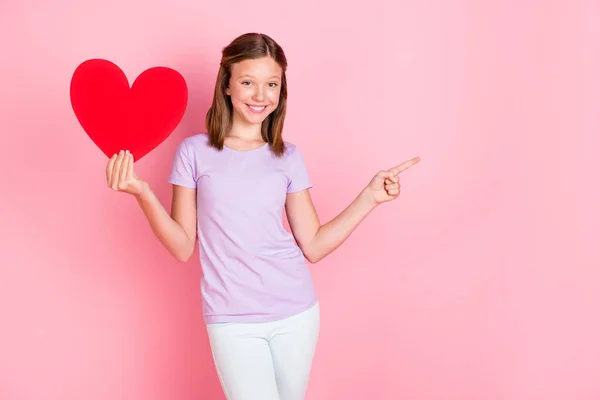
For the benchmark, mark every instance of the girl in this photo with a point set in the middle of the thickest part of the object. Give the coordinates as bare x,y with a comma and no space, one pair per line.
230,188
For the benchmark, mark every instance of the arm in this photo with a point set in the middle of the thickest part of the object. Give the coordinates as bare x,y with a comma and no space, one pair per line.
177,230
315,240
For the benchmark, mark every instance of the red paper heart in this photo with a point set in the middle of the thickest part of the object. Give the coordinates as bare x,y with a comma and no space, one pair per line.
117,117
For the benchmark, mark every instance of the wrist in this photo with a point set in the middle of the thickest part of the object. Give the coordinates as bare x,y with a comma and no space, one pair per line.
366,197
144,191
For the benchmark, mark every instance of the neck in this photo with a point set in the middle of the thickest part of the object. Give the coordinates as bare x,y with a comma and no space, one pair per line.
243,130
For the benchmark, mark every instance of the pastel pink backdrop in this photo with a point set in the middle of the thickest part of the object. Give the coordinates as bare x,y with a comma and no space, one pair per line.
480,282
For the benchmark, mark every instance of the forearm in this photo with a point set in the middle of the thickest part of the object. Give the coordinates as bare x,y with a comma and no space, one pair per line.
168,231
332,234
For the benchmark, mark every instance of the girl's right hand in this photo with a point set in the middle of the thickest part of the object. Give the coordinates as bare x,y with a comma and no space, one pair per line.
120,175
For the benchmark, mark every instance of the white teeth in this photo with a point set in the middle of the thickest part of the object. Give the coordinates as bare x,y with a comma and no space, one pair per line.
257,108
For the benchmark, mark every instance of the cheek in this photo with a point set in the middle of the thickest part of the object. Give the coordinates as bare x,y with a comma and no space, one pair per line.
274,97
235,95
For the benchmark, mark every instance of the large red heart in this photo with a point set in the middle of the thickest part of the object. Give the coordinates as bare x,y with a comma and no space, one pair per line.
117,117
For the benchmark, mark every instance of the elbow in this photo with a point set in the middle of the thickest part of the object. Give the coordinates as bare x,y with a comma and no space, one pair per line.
183,255
313,253
312,257
182,258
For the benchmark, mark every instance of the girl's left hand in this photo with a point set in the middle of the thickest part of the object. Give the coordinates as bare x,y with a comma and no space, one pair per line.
385,186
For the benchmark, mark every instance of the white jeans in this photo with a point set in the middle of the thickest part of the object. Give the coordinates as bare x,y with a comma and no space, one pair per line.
268,360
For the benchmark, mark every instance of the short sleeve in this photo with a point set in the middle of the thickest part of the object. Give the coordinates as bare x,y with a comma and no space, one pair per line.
297,172
183,170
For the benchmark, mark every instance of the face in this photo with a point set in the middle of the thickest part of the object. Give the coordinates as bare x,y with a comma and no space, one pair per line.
254,89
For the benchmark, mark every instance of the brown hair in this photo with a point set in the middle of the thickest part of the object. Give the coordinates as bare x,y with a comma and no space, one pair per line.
219,115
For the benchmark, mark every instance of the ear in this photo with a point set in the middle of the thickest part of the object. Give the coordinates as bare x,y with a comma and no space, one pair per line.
228,91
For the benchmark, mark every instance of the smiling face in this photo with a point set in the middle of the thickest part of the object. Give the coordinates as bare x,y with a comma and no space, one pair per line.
254,89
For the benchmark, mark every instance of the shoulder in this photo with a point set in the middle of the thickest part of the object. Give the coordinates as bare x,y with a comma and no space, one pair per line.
194,144
196,141
293,155
291,150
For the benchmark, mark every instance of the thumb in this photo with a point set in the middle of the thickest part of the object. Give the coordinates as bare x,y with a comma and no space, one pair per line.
389,175
383,175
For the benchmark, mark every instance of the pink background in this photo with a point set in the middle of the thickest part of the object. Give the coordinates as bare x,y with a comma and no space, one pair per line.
480,282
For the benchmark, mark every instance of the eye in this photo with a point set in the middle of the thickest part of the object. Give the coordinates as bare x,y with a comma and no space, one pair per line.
246,83
273,84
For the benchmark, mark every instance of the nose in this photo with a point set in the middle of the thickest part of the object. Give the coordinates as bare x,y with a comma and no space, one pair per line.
258,94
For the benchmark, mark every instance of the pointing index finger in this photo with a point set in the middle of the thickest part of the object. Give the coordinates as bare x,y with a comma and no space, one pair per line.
405,165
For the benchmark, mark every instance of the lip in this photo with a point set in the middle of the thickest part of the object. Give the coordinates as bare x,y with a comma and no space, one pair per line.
250,107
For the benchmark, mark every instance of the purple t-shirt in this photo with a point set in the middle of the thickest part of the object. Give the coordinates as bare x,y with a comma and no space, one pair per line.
253,270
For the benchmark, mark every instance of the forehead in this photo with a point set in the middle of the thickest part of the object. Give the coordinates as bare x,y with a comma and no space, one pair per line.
260,68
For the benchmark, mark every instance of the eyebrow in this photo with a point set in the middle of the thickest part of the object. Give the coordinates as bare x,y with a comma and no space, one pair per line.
252,76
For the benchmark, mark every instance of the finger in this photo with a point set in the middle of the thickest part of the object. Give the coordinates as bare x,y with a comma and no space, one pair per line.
124,169
392,186
130,167
391,178
388,176
393,190
109,169
117,170
405,165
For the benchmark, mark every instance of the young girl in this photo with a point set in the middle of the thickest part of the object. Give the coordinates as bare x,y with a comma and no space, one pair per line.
230,188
